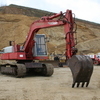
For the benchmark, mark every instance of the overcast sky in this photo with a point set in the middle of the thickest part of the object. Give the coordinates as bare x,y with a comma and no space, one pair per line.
83,9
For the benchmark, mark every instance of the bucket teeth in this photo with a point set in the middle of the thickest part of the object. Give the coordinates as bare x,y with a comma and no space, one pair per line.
78,84
87,84
83,84
81,68
73,85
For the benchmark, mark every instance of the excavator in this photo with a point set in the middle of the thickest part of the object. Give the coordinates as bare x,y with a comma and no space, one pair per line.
34,48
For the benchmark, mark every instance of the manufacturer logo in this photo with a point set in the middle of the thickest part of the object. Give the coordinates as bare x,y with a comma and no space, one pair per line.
52,23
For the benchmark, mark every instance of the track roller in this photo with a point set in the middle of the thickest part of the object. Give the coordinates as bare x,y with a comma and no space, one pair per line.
48,69
81,67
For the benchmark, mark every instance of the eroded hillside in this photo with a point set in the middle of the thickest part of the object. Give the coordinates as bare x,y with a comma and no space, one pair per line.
15,27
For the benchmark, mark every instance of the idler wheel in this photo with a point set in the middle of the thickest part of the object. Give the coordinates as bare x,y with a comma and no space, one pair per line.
48,69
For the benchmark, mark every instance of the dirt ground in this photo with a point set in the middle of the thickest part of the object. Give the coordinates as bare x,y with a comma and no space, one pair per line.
57,87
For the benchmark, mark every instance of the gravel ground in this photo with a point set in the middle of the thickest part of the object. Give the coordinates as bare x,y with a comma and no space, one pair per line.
56,87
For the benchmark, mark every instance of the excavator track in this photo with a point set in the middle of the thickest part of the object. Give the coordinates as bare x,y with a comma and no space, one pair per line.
81,68
18,70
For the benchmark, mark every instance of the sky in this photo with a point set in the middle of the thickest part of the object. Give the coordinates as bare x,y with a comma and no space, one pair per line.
83,9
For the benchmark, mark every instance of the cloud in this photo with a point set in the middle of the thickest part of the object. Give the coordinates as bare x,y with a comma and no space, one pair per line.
39,4
83,9
2,2
20,2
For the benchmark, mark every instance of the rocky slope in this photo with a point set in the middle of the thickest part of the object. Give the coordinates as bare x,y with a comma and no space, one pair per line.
15,27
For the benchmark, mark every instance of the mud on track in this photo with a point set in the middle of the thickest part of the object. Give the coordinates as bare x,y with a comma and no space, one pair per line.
57,87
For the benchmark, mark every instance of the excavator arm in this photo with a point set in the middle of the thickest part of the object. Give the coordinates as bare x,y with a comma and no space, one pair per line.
35,27
65,20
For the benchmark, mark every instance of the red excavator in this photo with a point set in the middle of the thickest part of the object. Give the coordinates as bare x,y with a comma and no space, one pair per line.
34,48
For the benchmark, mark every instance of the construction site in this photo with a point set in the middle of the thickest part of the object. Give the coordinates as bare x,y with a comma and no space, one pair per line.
69,66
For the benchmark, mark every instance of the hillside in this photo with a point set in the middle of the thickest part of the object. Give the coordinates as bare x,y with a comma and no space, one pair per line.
15,9
15,22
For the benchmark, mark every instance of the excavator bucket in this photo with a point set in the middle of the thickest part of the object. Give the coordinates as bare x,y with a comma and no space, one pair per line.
81,67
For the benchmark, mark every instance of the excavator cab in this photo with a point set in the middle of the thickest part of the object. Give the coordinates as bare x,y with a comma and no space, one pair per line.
40,48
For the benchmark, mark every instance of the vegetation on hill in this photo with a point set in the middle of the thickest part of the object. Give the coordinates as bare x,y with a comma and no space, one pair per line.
15,9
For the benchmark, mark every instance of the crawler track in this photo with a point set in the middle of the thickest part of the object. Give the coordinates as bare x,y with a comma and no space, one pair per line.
18,70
